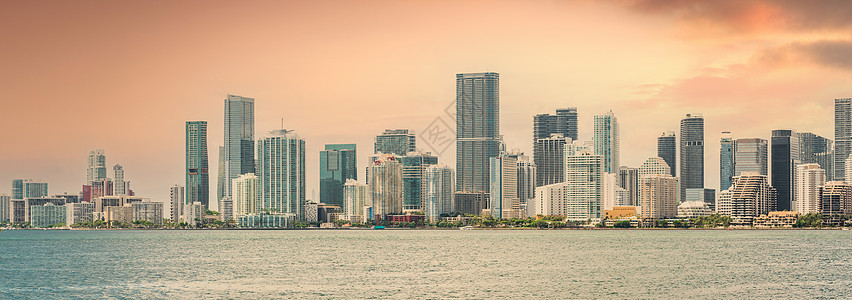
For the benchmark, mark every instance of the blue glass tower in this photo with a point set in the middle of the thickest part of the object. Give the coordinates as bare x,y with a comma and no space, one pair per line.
337,164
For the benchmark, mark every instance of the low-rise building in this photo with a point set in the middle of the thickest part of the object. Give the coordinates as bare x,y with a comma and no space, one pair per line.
123,214
148,211
777,219
620,212
79,212
694,209
265,220
47,215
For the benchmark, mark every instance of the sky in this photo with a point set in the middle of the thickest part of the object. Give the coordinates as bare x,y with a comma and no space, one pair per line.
125,76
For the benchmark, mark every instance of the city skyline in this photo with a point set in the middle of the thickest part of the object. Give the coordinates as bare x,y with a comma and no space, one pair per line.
147,140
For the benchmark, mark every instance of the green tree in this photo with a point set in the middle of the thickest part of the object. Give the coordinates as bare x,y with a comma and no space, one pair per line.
622,224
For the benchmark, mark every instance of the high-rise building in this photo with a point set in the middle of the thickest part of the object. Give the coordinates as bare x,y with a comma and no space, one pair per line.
356,196
612,194
504,186
220,179
97,166
99,188
176,202
785,157
46,215
814,149
118,185
750,196
809,177
470,202
667,150
564,122
281,172
414,165
835,198
628,179
79,212
34,189
239,140
395,141
439,186
659,196
691,162
842,135
701,195
338,164
526,182
5,205
584,180
245,195
654,165
549,155
384,178
197,172
17,189
477,129
606,140
750,155
726,160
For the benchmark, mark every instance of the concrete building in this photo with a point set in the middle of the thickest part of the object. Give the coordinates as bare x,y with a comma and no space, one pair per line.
691,161
579,197
613,195
122,214
651,166
384,177
701,195
471,203
659,196
281,172
815,149
726,160
356,196
780,219
835,198
549,157
5,206
621,212
477,129
628,179
197,163
17,189
842,136
79,212
18,211
176,202
120,186
564,122
338,163
40,201
33,189
667,150
47,215
148,211
504,186
809,179
395,141
693,209
102,204
750,196
265,220
438,191
96,169
414,165
245,195
607,141
193,213
785,158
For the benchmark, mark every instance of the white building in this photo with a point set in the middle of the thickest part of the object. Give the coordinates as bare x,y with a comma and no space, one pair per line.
439,187
652,166
79,212
606,139
658,194
504,186
579,197
148,211
355,197
751,196
693,209
176,202
384,177
281,172
613,195
809,177
194,213
245,195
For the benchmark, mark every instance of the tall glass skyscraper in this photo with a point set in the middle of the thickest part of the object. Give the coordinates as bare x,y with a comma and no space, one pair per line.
814,149
785,157
549,157
667,150
197,172
17,189
842,135
413,171
337,164
750,155
395,141
97,166
726,161
563,122
477,129
281,173
606,141
239,139
691,167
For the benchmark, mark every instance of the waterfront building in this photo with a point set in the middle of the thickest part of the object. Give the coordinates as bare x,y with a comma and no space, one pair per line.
835,198
691,161
98,188
70,198
471,203
477,129
266,220
621,212
220,178
384,177
197,172
726,160
239,141
96,169
781,219
176,202
47,215
17,189
549,156
750,155
809,179
526,182
194,213
395,141
18,211
606,139
612,194
150,211
667,150
438,190
659,196
504,201
338,164
564,122
693,209
33,189
815,149
5,206
121,214
701,195
245,195
40,201
311,212
785,157
356,196
414,165
842,136
281,172
102,204
579,197
750,196
79,212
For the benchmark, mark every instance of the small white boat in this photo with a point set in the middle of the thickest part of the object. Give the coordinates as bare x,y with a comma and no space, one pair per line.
468,227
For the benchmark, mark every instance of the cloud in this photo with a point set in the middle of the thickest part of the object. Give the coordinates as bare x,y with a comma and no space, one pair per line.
835,54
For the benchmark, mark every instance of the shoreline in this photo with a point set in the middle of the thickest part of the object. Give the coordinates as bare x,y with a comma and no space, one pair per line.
413,229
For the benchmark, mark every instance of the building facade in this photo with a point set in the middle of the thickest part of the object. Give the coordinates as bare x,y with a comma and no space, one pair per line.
356,196
414,165
785,157
549,156
835,198
197,172
628,179
726,160
384,177
477,129
504,186
47,215
606,139
750,155
395,141
659,196
338,163
815,149
809,179
438,191
564,122
246,195
281,172
667,150
750,196
691,163
176,202
239,141
96,169
842,136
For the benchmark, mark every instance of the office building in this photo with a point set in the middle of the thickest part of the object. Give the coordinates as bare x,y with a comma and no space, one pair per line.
726,160
526,181
220,179
477,129
750,196
471,203
564,122
667,150
842,136
691,163
628,179
34,189
504,186
384,178
549,156
438,190
835,198
414,165
338,163
815,149
281,172
176,202
606,139
239,141
356,196
750,155
197,172
785,157
17,189
96,169
47,215
659,196
79,212
120,186
809,178
245,195
395,141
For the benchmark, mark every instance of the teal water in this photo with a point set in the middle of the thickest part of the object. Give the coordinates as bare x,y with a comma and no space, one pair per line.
426,264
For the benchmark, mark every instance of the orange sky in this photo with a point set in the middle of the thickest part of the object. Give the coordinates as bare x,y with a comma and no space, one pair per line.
125,76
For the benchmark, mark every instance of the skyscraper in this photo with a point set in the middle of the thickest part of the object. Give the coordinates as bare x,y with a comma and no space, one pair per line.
526,182
750,155
33,189
564,122
628,179
504,186
549,156
414,165
726,160
785,157
338,163
395,141
651,166
750,196
176,202
239,139
659,196
197,174
97,166
17,189
384,177
606,140
842,135
815,149
245,195
584,181
667,150
355,198
438,190
5,205
691,167
477,129
120,187
809,177
281,172
220,179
